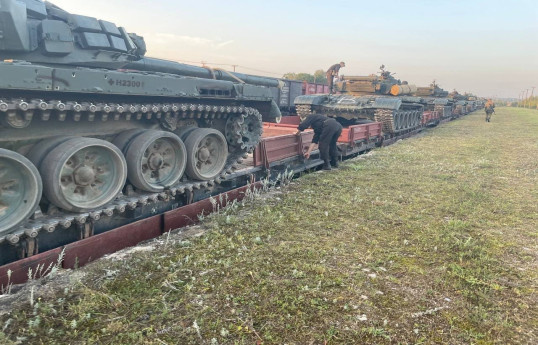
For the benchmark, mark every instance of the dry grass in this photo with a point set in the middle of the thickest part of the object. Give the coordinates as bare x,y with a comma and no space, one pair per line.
429,241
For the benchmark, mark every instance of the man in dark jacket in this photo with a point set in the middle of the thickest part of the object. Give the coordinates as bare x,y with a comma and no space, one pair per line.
333,72
326,133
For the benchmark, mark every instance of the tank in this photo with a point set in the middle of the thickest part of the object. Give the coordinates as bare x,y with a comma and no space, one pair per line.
381,98
436,99
90,127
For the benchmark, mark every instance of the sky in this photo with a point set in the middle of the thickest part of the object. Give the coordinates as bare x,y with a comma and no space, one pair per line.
489,48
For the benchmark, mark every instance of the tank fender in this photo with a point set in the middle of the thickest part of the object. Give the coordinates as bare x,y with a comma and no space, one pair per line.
274,114
311,99
441,101
269,110
387,103
251,91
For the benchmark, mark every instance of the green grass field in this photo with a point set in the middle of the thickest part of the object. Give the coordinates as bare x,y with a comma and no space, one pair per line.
432,240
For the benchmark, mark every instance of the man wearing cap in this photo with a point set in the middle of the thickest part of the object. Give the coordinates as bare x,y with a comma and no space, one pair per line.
333,72
326,132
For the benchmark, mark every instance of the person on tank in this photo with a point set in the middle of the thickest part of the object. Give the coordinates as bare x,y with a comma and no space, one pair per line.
326,133
489,108
332,72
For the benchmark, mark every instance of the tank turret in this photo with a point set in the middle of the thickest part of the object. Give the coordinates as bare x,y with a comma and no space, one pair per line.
42,33
382,84
436,99
433,90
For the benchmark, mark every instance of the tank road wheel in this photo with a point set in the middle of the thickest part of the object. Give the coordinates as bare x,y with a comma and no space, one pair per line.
155,160
38,152
207,152
397,121
83,173
406,120
20,190
123,139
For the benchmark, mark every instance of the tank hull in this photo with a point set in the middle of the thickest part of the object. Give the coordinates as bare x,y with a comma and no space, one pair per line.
90,127
39,104
396,114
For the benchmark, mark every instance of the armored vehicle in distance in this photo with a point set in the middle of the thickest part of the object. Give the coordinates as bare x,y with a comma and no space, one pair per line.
381,98
436,99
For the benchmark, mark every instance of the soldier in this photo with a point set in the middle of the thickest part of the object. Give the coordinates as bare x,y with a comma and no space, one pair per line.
326,133
489,109
333,72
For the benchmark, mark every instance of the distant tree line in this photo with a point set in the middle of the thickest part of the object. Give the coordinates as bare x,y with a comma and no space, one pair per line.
317,77
530,102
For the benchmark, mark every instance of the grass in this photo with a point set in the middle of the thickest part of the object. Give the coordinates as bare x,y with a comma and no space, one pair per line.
429,241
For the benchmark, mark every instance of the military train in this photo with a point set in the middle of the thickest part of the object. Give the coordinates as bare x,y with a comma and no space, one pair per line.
382,98
91,128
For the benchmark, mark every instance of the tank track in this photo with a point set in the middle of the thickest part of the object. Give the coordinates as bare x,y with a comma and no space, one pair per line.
440,109
18,113
386,117
303,111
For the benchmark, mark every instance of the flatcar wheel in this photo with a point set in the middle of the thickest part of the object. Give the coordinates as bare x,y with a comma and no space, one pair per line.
20,189
155,160
207,152
83,173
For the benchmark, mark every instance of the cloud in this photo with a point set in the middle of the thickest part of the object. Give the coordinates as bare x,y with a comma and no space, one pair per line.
220,45
173,39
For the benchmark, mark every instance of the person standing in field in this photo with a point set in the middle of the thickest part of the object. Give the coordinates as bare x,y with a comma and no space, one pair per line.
326,132
489,109
333,72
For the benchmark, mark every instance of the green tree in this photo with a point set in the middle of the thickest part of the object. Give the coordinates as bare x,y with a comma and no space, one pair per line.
318,76
290,76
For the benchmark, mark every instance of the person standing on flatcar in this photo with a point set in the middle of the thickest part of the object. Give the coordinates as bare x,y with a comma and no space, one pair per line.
332,72
326,133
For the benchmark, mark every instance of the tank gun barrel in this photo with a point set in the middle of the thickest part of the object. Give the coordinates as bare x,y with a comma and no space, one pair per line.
42,33
172,67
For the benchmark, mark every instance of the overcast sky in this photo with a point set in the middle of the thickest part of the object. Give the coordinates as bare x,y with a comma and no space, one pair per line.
486,47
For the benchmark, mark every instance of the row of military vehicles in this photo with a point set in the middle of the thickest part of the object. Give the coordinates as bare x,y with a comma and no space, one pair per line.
90,127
